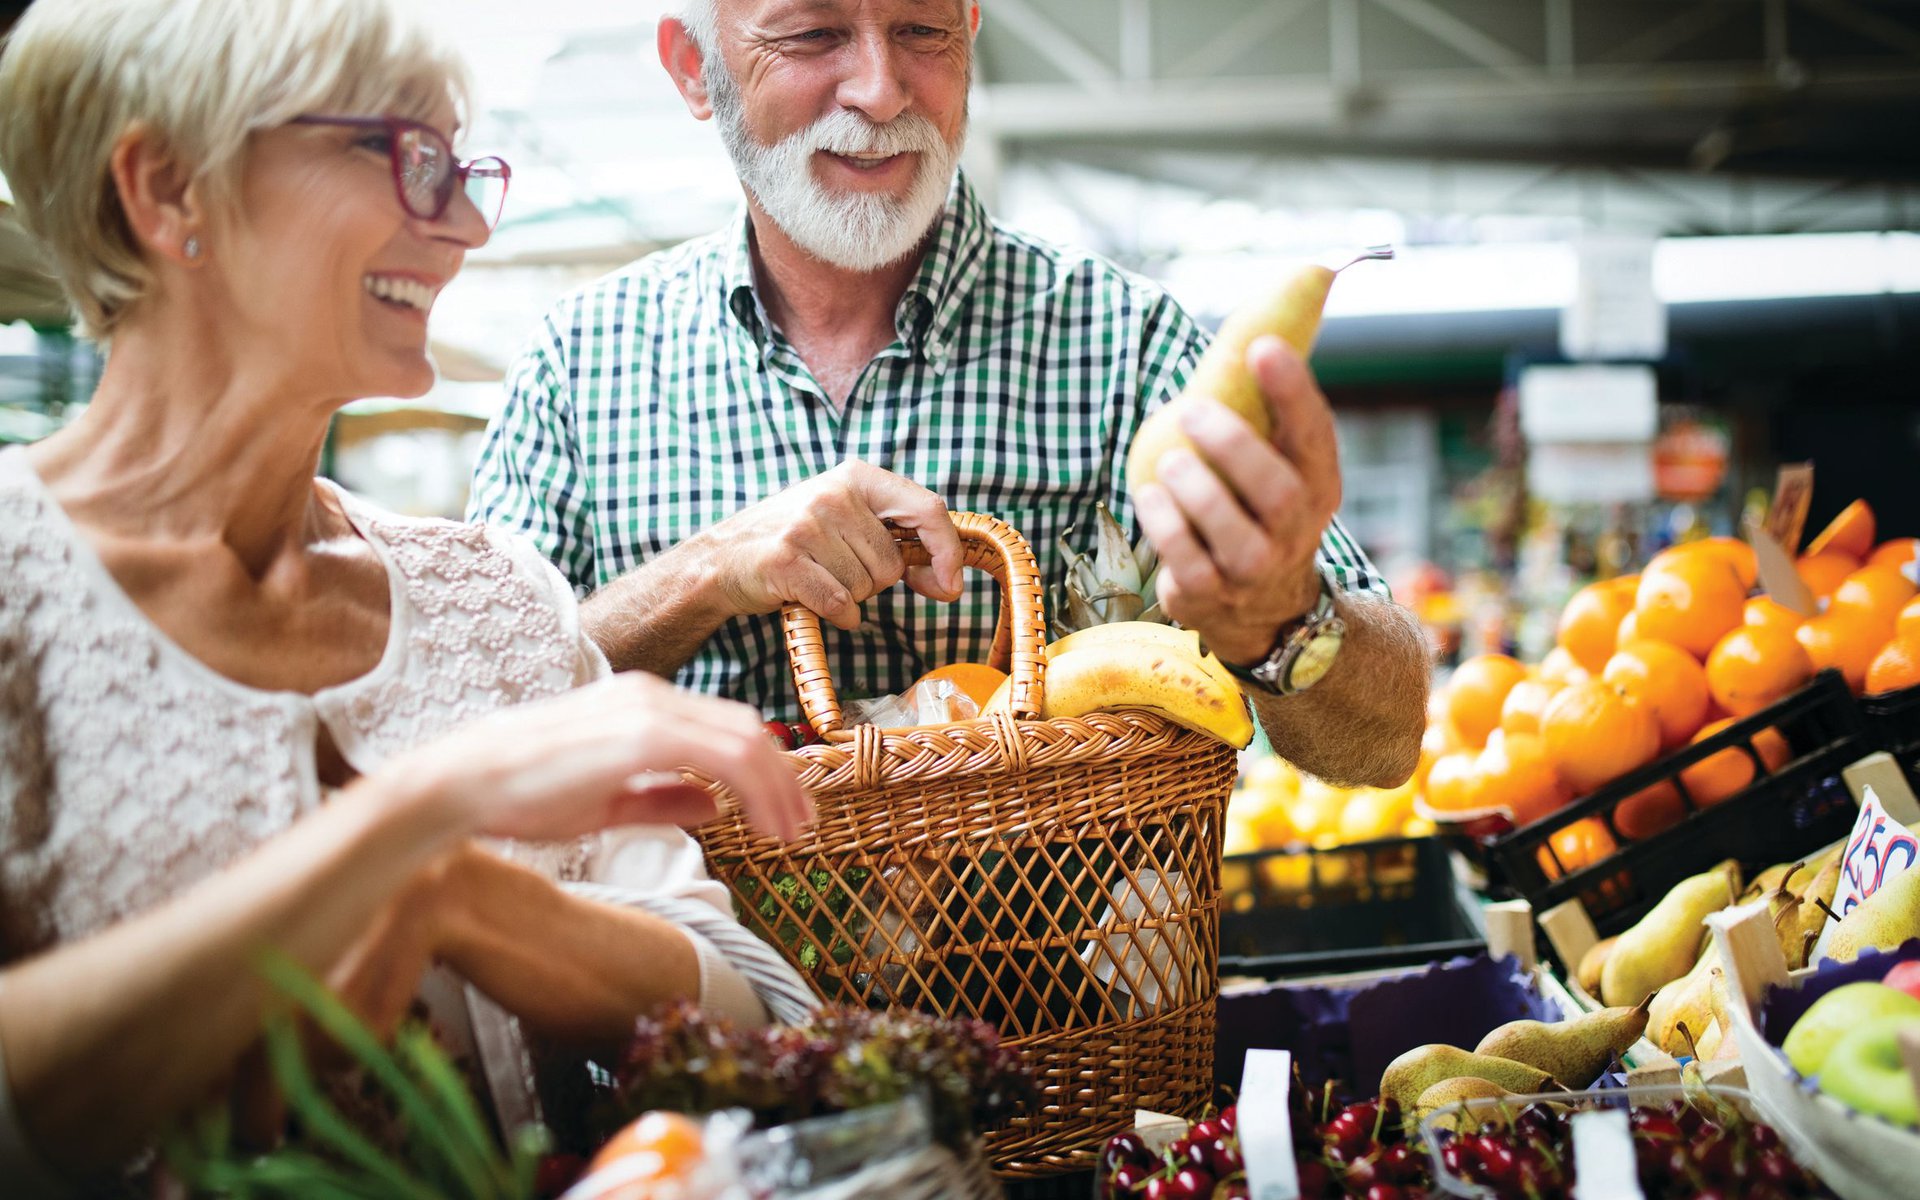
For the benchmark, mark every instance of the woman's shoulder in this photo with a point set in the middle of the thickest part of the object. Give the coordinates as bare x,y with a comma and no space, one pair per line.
464,575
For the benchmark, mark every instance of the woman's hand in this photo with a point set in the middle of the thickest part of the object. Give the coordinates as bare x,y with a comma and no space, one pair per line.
604,755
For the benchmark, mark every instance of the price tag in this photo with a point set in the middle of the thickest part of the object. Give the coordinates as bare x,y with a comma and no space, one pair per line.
1879,849
1264,1124
1603,1164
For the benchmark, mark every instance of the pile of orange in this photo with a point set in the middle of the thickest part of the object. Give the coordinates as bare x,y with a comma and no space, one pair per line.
1647,664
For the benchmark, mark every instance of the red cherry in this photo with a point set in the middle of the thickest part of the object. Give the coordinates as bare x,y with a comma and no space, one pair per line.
1128,1178
1349,1131
1315,1179
1191,1183
1385,1191
1402,1164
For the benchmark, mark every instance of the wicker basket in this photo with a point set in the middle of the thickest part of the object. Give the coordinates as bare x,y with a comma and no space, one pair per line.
1057,879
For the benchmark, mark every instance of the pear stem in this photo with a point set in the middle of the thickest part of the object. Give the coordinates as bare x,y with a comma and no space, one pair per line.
1371,252
1827,909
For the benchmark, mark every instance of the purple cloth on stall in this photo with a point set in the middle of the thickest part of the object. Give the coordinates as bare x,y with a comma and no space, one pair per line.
1351,1033
1785,1005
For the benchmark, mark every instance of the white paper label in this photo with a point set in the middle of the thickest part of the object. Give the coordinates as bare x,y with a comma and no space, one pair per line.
1879,849
1603,1162
1265,1126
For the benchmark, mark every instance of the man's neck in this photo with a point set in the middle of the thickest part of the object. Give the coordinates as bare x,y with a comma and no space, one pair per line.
814,301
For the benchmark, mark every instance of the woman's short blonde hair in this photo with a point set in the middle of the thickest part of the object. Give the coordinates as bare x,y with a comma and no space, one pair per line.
203,75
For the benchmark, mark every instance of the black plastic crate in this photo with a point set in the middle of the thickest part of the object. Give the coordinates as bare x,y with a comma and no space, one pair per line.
1782,815
1893,723
1303,911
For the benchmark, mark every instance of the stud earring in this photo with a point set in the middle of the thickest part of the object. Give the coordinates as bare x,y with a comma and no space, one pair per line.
192,248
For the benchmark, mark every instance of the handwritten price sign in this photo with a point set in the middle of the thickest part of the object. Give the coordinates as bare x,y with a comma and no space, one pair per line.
1879,849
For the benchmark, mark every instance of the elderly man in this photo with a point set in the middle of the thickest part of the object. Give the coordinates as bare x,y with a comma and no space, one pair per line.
725,427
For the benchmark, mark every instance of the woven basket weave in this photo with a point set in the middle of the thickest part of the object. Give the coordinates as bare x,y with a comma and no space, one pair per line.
1057,879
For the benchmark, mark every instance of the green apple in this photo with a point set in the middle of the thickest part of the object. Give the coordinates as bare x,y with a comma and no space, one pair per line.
1838,1013
1865,1072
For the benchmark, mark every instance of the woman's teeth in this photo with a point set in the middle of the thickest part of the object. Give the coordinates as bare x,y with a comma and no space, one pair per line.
395,290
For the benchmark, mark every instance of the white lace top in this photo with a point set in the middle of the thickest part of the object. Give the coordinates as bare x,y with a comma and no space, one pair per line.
130,770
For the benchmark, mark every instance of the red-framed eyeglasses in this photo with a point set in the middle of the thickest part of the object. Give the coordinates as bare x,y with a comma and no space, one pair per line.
425,170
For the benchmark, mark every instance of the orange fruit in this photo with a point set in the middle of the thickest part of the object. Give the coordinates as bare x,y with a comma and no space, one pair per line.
1895,552
1842,641
977,680
1450,782
1580,844
1649,811
1721,776
1907,624
1438,740
1524,704
1732,551
1850,533
1755,665
1875,595
1475,695
1560,668
1595,733
1514,773
674,1146
1896,666
1765,610
1690,604
1667,680
1629,632
1590,622
1825,571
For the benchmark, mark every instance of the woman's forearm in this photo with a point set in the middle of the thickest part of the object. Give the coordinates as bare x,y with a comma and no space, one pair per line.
107,1037
566,966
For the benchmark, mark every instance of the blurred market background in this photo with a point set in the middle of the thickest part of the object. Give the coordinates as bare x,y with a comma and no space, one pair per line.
1649,251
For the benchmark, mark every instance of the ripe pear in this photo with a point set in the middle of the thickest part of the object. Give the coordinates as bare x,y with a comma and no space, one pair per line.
1457,1091
1593,962
1882,921
1420,1068
1573,1052
1666,942
1291,313
1687,1000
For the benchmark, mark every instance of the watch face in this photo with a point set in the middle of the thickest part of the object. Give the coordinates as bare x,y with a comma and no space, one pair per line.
1315,660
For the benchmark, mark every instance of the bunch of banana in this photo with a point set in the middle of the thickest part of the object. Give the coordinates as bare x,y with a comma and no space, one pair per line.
1138,664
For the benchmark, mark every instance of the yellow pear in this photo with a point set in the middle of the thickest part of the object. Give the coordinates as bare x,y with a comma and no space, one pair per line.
1292,313
1665,943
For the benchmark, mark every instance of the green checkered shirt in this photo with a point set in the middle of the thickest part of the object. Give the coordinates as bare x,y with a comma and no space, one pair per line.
661,399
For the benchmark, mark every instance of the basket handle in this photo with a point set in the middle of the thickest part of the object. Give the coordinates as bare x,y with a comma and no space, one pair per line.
1019,641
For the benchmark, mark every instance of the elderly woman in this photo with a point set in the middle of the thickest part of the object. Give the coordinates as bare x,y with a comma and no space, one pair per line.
254,204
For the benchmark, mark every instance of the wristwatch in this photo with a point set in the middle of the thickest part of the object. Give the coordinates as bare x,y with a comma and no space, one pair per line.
1302,654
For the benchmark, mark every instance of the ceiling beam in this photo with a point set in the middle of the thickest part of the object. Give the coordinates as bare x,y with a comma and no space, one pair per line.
1257,23
1045,38
1468,39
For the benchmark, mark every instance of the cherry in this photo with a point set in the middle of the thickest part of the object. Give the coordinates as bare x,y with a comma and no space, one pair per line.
1773,1166
1158,1188
1537,1122
1763,1137
1361,1173
1401,1164
1454,1158
1191,1183
1350,1130
1206,1130
1655,1126
1210,1156
1123,1148
1714,1158
1315,1179
1229,1119
1128,1178
1386,1191
1496,1160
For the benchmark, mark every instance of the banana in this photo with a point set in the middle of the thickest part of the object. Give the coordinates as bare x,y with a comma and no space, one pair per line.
1137,674
1138,633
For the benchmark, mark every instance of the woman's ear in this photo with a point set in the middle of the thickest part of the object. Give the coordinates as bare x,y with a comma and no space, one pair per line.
157,195
680,55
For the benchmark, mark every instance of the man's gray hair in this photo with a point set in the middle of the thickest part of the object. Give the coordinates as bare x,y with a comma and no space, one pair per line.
702,19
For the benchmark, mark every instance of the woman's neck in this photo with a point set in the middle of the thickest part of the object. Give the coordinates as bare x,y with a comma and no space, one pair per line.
184,441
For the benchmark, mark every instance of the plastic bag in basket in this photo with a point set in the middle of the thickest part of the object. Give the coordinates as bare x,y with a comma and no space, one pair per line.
931,702
1136,962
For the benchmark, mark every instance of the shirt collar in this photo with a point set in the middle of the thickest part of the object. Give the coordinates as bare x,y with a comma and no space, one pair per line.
933,302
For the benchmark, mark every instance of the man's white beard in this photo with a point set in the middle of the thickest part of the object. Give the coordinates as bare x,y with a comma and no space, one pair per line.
856,231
